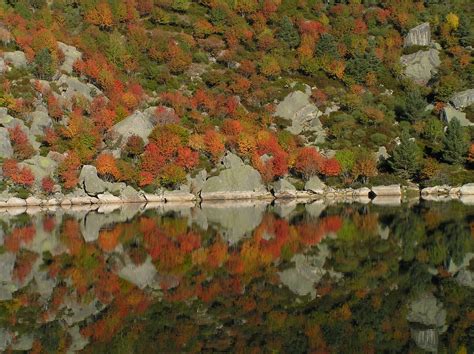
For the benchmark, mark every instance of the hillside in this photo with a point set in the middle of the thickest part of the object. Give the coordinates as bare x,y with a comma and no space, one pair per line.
243,96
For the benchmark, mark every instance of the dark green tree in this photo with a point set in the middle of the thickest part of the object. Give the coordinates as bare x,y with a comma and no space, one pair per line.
288,33
327,46
412,106
44,65
465,32
407,157
456,143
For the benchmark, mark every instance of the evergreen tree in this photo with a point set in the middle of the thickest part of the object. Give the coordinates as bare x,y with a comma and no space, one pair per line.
288,33
407,157
44,65
327,46
455,143
412,107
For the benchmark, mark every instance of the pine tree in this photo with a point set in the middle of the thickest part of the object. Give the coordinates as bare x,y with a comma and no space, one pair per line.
407,156
455,143
288,33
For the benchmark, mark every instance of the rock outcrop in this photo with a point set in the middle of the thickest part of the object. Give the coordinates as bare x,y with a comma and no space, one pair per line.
422,65
419,35
448,113
41,167
302,113
240,181
463,99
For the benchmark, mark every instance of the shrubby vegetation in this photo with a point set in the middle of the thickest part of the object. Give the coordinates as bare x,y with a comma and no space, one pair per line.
214,69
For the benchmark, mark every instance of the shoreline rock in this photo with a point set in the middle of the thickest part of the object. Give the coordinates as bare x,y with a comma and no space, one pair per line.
280,191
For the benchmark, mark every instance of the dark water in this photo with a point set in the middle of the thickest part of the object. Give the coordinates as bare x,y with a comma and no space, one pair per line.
239,277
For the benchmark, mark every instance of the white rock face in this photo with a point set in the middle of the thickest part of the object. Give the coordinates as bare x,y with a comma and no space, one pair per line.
421,66
39,121
419,35
71,54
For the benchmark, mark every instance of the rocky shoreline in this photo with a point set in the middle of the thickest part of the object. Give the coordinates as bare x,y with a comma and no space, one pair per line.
391,194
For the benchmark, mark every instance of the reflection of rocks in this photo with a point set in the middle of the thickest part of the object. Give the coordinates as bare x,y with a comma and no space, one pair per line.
234,220
78,312
307,272
141,275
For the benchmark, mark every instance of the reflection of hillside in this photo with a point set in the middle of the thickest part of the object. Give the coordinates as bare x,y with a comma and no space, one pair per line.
85,276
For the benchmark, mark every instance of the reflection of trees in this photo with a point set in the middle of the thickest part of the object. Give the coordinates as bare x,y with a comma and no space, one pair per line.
186,289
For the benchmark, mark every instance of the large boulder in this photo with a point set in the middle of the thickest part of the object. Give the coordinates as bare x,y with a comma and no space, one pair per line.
89,180
71,54
136,124
16,59
419,35
284,189
238,182
302,113
448,113
39,121
6,150
315,185
421,66
463,99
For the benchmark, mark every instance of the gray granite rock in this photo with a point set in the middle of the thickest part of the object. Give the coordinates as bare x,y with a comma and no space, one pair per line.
71,54
315,185
39,121
428,311
16,59
302,113
135,124
419,35
6,150
391,190
448,113
89,180
463,99
421,66
283,189
239,181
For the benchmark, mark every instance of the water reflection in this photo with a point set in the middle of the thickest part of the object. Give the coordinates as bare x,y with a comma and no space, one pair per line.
242,277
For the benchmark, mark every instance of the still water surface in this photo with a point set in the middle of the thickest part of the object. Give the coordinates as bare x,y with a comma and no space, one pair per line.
239,277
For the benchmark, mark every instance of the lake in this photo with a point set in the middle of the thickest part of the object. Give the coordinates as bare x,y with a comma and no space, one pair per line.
239,277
